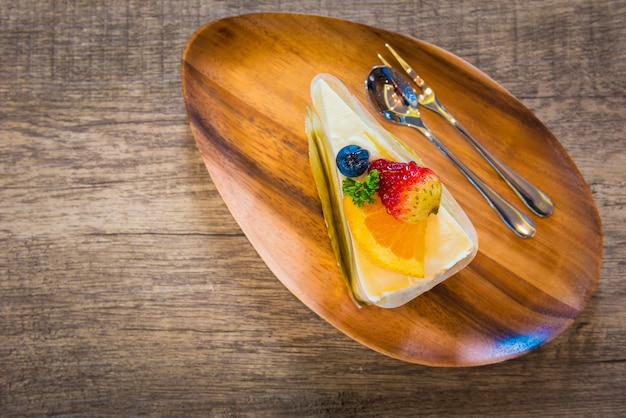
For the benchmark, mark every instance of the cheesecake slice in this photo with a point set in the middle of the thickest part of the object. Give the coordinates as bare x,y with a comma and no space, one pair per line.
444,242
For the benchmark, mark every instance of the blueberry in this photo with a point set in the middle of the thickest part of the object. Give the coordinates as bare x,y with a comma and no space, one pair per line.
352,160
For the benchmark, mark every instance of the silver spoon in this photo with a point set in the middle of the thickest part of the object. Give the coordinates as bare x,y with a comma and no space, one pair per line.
396,99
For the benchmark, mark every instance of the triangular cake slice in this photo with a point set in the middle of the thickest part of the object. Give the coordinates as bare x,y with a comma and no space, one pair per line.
450,242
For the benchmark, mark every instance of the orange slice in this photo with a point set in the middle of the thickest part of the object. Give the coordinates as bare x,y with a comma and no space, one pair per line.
391,244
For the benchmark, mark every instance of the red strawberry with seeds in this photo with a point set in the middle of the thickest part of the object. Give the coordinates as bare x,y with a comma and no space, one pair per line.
409,192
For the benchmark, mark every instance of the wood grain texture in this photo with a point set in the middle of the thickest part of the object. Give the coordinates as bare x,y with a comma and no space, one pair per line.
127,288
246,108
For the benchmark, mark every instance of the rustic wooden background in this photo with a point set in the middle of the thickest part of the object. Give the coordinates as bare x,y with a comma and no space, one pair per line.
126,288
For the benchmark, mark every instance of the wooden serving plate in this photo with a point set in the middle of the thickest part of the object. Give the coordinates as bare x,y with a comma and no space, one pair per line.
246,86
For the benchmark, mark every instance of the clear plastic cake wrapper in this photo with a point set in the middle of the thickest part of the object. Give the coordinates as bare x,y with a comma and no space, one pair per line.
337,119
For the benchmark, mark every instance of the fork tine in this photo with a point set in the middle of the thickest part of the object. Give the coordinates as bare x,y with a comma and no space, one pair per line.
407,68
384,61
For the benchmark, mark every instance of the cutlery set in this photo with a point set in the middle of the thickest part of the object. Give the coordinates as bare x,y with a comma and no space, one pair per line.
396,98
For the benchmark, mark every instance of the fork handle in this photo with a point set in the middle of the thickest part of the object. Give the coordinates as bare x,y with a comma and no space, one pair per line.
532,196
517,221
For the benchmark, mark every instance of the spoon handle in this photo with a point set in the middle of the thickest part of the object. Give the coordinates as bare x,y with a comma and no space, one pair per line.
533,197
517,221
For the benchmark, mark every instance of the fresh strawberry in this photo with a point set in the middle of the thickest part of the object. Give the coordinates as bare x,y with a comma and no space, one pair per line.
409,192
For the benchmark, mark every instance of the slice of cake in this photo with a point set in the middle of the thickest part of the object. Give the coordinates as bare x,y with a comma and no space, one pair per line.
395,229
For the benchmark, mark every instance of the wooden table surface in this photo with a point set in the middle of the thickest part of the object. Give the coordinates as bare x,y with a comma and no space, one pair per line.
126,287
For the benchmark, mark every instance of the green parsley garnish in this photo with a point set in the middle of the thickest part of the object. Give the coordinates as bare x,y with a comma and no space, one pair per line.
361,192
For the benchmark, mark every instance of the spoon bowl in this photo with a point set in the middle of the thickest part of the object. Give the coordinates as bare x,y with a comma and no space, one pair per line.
394,98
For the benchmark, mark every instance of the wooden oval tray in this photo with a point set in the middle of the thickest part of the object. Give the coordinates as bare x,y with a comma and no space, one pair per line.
246,86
